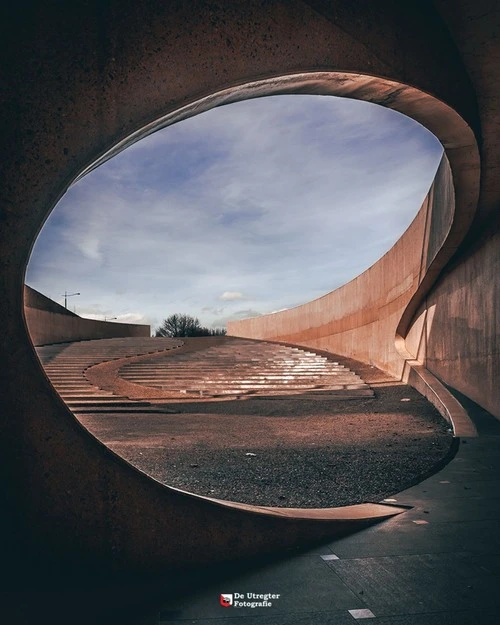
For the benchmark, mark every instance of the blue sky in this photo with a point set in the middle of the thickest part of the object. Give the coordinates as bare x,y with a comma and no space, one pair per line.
243,210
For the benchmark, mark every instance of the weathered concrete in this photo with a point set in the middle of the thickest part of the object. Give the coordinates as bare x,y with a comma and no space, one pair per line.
362,318
372,317
48,323
456,334
81,78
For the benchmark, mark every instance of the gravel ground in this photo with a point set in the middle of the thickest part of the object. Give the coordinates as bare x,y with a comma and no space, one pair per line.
304,453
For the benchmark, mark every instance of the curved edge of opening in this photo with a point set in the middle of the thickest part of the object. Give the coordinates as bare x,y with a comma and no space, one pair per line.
432,113
457,138
446,124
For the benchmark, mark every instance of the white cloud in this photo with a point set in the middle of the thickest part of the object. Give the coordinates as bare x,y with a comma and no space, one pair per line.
285,198
230,296
123,318
90,247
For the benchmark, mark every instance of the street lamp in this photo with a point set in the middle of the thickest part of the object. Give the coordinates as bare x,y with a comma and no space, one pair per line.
109,318
66,295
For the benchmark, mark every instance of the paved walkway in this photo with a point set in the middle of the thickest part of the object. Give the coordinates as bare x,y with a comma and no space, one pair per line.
437,564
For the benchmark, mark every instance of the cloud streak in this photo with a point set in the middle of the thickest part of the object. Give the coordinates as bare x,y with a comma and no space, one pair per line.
284,198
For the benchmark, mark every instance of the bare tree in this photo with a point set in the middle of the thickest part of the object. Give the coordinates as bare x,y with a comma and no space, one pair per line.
184,325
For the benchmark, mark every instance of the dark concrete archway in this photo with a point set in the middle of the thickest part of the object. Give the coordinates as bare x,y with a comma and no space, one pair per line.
84,78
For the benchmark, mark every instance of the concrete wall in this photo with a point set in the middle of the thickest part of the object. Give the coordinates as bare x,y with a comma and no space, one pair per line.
48,322
360,319
87,78
456,333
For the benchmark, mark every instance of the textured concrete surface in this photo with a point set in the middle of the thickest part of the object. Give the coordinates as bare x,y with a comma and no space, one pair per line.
79,79
468,294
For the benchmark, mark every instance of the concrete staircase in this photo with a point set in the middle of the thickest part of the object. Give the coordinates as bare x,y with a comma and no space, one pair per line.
240,367
65,365
231,368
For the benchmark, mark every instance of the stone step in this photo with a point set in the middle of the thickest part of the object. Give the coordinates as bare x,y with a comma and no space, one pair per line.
72,385
241,376
117,403
125,409
259,387
227,369
256,385
341,393
93,397
175,366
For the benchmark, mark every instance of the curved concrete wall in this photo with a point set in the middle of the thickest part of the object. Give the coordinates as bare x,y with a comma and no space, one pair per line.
48,322
86,76
360,319
456,333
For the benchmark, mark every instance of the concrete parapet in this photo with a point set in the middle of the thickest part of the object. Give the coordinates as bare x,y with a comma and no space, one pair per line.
48,322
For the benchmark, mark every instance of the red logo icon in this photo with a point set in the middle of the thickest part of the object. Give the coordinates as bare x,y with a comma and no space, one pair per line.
226,601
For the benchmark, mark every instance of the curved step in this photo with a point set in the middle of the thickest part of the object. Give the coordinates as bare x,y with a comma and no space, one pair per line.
239,367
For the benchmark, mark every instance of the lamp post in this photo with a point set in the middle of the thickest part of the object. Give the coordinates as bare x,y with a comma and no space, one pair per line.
109,318
66,295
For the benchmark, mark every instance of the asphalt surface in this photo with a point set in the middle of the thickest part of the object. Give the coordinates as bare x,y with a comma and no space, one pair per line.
285,452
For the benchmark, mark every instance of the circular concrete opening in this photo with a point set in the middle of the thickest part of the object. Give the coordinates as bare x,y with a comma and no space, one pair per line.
83,85
409,101
323,455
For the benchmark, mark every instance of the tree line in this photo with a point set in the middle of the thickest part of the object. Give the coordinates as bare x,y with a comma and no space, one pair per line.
178,325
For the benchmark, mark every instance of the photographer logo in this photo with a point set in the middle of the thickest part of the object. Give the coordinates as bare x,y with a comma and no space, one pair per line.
248,599
226,601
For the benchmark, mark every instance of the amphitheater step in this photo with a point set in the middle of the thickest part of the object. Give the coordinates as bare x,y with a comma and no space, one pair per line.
226,368
242,367
114,404
65,365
